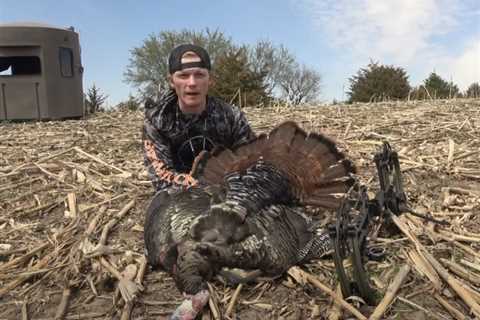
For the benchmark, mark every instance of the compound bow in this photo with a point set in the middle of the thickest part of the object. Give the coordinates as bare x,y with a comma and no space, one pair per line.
349,233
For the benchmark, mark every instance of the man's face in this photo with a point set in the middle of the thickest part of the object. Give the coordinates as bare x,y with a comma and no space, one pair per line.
191,86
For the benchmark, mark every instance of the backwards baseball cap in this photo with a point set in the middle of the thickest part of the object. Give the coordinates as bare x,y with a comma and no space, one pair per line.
175,58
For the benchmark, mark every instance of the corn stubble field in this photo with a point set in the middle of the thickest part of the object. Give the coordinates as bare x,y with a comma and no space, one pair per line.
73,196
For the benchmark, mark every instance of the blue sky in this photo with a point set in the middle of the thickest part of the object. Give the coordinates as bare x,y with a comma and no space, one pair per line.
336,37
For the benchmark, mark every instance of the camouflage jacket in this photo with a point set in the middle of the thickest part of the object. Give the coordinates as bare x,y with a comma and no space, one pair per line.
171,139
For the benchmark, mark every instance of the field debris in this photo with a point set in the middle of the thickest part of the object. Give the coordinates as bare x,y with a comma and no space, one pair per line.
73,195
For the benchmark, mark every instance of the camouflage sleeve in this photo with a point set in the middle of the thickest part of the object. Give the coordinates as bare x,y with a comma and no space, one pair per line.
158,160
241,130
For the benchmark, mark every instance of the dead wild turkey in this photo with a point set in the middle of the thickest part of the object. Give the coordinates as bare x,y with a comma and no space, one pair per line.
248,211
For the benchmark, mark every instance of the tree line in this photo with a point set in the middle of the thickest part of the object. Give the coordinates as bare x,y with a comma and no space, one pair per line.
259,74
378,82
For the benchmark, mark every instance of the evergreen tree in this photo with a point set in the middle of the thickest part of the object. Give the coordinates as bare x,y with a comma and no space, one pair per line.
439,88
233,75
378,82
131,104
94,99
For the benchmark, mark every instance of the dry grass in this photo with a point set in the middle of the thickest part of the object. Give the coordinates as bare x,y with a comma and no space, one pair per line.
63,184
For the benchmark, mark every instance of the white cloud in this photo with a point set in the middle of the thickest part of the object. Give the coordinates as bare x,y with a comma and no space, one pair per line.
465,68
410,33
462,65
398,30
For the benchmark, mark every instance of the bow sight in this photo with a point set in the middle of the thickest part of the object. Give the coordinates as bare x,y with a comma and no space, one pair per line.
349,233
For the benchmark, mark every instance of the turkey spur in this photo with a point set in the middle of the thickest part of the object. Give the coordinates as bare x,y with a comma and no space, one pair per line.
248,210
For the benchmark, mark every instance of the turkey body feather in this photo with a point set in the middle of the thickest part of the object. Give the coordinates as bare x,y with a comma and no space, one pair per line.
274,242
248,210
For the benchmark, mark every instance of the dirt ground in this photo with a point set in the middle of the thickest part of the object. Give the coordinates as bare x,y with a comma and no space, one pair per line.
63,183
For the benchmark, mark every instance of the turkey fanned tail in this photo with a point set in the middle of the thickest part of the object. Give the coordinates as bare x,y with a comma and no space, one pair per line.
287,166
310,163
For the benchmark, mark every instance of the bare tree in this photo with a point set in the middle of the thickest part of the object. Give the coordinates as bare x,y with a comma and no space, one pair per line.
266,58
300,84
473,91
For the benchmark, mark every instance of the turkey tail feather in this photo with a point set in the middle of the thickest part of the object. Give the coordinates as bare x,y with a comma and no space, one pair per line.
316,169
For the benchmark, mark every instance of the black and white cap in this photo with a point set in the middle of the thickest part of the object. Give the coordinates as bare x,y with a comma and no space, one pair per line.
175,58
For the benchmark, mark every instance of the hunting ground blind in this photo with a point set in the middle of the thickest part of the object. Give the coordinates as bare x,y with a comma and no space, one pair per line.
40,72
